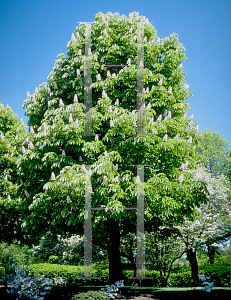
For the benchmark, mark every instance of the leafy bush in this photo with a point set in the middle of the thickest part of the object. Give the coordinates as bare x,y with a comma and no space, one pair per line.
2,272
91,295
24,285
180,279
10,252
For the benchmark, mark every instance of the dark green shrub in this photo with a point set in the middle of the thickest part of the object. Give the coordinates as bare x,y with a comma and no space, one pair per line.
91,295
180,279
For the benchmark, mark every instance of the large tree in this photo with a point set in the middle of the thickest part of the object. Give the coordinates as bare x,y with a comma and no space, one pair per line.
55,155
12,131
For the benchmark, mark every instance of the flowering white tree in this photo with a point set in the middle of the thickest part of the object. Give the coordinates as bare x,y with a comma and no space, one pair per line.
212,222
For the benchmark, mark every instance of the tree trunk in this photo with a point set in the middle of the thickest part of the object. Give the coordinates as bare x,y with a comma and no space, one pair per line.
191,255
211,253
115,266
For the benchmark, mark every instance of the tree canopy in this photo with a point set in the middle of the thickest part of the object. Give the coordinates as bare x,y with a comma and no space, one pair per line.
55,155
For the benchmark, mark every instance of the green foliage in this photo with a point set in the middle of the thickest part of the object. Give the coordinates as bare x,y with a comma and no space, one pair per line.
2,272
12,133
10,252
90,295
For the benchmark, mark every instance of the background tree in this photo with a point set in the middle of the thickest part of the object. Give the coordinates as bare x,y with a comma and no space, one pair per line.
55,154
11,134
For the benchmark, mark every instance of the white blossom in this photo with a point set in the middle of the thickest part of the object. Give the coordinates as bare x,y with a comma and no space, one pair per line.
36,90
105,153
89,51
73,38
96,137
180,66
190,123
75,98
106,23
117,102
26,193
2,136
104,94
138,179
28,94
186,86
61,102
116,110
80,158
108,73
70,119
77,34
130,30
151,120
105,31
145,39
110,109
63,153
181,178
111,123
190,140
31,145
129,61
191,117
165,138
23,149
149,106
68,199
79,53
158,40
185,116
31,129
160,82
197,128
176,137
98,77
77,122
52,176
116,179
159,118
8,197
170,90
77,72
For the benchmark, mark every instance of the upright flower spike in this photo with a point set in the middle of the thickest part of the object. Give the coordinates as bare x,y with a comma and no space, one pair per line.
105,31
191,117
185,116
31,146
117,102
79,53
169,115
53,176
130,30
190,123
68,199
23,150
181,178
197,128
104,94
77,122
31,129
77,72
73,38
108,73
170,90
149,106
160,82
116,110
151,121
96,137
145,39
61,102
98,77
75,98
70,119
159,118
77,34
186,86
129,61
111,123
176,137
190,140
116,179
28,94
165,138
33,99
138,179
180,66
36,90
106,23
2,136
110,109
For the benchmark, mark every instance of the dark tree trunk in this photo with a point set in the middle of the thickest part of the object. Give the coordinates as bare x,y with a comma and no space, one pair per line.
211,253
115,266
191,255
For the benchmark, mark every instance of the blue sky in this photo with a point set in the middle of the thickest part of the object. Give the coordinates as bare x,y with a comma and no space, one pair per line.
33,33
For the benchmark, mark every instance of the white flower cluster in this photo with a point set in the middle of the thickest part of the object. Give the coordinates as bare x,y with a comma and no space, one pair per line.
110,290
207,285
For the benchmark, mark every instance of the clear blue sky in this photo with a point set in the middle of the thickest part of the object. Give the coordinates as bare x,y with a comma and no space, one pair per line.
33,33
